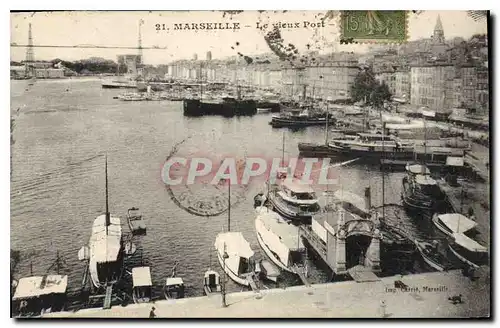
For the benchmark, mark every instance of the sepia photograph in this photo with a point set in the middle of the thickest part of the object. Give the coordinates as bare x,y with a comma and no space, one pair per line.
250,164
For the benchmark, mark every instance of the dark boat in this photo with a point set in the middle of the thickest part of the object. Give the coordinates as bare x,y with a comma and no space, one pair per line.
421,194
468,251
396,249
227,107
431,255
135,221
300,118
274,107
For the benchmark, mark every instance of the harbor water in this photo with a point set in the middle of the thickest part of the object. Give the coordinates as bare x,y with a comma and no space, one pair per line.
62,129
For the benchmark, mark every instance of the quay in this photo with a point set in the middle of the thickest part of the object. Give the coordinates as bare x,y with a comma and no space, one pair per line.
425,297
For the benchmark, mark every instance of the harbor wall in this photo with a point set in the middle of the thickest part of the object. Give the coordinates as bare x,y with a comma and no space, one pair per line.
426,296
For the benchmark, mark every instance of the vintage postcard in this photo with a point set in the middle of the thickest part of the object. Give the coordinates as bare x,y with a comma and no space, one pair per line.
250,164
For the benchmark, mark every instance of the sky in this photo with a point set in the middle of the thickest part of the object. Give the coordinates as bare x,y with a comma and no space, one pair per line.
121,29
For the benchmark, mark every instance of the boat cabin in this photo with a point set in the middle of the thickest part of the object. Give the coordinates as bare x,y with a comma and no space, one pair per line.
211,282
37,295
240,259
142,285
426,185
296,198
174,288
415,169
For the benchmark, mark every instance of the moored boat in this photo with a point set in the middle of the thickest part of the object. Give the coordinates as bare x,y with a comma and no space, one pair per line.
142,285
421,194
37,295
431,255
280,240
451,223
211,282
174,288
300,118
235,256
294,200
468,251
105,247
135,221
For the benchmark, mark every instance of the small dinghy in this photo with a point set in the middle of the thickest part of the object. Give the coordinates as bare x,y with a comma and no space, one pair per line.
136,222
431,256
174,286
266,270
142,288
211,283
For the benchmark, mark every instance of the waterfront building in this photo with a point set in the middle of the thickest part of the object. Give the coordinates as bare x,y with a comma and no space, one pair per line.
430,86
402,84
332,80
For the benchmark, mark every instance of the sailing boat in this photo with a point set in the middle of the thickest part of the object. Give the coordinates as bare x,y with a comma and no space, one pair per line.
234,253
105,247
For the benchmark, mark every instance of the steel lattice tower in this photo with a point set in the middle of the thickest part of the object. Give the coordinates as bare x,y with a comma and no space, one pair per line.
30,55
139,42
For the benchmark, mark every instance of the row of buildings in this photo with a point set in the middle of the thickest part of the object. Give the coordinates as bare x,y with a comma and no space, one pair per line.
421,73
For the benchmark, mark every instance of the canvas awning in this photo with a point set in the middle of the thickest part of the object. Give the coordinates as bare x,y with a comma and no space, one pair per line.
235,244
141,276
457,222
174,281
37,286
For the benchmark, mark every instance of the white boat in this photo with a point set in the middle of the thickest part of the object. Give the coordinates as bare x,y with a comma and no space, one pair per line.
174,288
468,250
211,282
279,239
239,263
263,110
294,200
105,247
142,285
40,294
453,223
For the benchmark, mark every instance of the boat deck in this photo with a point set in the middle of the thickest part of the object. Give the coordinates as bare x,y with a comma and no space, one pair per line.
287,232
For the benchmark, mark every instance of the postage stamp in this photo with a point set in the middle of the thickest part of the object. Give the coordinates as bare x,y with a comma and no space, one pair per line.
374,26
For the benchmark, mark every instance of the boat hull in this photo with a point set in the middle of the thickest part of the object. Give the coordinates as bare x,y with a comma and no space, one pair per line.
268,252
429,260
439,227
287,214
461,257
240,280
281,123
